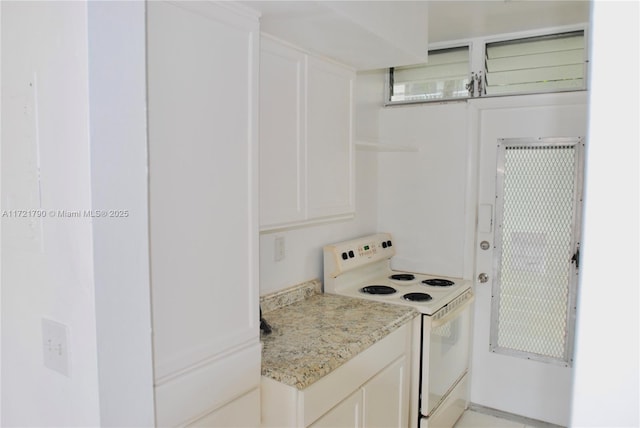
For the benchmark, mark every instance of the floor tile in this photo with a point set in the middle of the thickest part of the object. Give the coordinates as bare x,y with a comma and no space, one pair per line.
471,419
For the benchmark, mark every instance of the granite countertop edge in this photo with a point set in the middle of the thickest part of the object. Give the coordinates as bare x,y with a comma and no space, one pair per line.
314,333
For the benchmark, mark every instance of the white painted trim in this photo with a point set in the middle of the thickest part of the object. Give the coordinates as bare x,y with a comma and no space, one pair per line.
208,387
510,416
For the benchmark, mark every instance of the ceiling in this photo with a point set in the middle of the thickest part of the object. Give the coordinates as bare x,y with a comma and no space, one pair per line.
370,34
450,20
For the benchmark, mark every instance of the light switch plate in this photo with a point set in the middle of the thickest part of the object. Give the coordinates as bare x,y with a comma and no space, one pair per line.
279,250
54,346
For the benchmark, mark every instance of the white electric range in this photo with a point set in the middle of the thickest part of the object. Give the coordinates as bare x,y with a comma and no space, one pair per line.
362,268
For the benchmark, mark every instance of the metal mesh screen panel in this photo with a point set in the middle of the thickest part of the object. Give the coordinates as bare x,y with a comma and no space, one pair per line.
534,273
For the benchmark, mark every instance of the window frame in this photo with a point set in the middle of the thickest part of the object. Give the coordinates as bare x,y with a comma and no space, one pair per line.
541,37
477,53
389,77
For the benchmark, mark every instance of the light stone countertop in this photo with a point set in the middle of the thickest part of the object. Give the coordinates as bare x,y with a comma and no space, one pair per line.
314,335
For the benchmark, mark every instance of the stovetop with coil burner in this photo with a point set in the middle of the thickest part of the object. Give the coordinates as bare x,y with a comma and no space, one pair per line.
361,268
426,293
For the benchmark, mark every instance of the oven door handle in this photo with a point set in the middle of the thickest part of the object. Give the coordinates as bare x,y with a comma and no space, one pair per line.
451,315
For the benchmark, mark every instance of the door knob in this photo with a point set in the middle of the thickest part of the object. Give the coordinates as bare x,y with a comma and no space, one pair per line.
483,277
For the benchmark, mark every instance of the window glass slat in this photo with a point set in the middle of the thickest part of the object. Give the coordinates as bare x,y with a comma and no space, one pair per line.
543,74
428,91
534,87
444,76
534,46
549,59
447,56
540,64
432,72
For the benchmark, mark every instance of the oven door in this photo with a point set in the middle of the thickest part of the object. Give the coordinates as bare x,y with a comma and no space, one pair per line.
446,342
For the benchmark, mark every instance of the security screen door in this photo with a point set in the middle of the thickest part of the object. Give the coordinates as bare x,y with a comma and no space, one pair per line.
537,247
525,238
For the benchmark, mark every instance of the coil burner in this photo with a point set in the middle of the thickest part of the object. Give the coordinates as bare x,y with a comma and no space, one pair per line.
403,277
438,282
378,289
417,297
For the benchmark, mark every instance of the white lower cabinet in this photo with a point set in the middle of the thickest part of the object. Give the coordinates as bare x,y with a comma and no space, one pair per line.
386,397
370,390
346,414
241,412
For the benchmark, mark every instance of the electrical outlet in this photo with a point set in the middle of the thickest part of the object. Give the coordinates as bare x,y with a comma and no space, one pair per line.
279,252
54,346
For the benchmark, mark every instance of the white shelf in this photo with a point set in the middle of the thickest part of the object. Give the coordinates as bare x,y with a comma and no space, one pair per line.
379,147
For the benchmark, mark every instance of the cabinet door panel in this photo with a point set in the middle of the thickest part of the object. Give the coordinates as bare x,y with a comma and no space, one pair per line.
281,134
200,157
329,139
386,398
347,414
241,413
202,86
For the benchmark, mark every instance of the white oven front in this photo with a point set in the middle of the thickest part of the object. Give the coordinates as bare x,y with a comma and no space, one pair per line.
445,362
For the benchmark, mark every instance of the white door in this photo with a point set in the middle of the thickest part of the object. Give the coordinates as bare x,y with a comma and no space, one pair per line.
511,381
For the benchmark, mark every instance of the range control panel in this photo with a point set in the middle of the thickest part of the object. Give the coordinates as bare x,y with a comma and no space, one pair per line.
348,255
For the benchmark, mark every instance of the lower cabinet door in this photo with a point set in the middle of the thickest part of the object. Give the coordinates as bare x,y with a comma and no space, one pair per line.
382,402
386,400
243,412
347,414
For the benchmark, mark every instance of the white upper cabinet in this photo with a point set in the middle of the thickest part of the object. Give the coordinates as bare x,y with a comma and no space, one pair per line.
282,134
366,35
306,137
329,139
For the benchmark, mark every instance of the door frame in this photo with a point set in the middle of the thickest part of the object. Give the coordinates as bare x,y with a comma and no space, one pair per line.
551,402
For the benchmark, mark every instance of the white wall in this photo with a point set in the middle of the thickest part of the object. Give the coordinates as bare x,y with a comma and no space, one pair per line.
369,97
47,266
423,193
74,138
606,380
1,205
117,95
